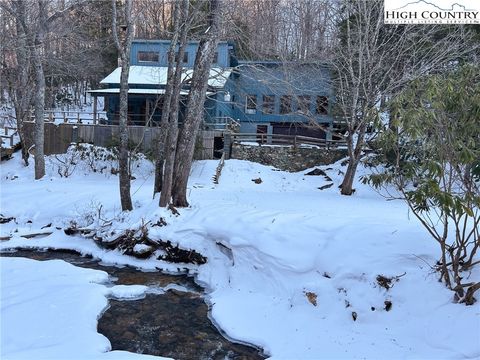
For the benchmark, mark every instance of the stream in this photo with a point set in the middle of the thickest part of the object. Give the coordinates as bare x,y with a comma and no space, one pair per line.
172,324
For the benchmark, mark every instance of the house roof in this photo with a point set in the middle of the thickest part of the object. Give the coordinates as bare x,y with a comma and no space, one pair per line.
277,78
157,75
102,92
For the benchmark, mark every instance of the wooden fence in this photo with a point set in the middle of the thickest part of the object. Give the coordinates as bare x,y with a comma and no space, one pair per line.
59,137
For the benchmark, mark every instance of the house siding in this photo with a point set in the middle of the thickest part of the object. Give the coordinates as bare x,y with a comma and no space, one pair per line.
303,80
162,46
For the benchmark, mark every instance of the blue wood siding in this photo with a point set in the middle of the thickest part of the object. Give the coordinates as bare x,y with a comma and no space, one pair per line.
161,47
276,81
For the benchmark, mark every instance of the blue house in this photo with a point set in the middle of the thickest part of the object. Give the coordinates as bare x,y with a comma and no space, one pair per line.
262,96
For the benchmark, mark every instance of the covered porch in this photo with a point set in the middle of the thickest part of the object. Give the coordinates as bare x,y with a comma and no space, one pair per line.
144,105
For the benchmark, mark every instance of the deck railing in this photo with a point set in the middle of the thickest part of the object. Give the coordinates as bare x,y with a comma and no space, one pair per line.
8,134
70,117
287,140
222,123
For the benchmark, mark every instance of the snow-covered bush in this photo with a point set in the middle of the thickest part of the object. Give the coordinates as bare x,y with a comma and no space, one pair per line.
87,159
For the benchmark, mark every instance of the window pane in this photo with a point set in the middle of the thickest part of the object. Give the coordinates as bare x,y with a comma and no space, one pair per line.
304,104
322,105
251,104
268,104
285,104
148,56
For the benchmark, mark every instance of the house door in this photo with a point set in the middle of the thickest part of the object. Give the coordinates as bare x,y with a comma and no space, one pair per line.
262,131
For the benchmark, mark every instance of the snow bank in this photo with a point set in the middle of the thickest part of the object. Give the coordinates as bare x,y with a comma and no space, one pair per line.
50,309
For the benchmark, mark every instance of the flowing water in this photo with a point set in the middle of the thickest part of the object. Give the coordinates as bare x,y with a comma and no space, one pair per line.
174,324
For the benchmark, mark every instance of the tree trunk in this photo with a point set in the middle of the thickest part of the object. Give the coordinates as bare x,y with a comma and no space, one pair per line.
20,85
170,152
172,138
39,100
39,137
195,105
123,47
347,183
355,155
469,298
124,173
21,114
159,160
160,153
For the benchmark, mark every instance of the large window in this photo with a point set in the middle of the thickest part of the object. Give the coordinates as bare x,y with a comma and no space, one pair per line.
304,104
285,104
148,56
251,104
268,104
322,105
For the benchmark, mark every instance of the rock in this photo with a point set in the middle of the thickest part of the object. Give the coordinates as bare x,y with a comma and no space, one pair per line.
161,222
257,181
312,297
142,251
4,220
316,172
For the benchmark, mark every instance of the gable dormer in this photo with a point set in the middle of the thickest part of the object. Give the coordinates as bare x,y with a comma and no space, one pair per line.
154,53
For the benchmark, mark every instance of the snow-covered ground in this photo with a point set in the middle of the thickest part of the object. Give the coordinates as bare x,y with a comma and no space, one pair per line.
302,263
50,311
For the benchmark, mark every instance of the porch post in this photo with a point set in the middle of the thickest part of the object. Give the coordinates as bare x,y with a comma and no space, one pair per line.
94,109
147,110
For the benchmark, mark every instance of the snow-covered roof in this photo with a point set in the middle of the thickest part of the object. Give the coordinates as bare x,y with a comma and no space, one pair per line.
133,91
157,75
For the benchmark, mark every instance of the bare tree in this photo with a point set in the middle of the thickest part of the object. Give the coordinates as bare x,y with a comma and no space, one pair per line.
170,88
277,29
373,60
123,42
34,21
36,45
195,102
16,70
153,18
182,27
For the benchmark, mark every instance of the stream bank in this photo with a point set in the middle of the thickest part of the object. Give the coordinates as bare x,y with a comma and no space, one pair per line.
172,320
